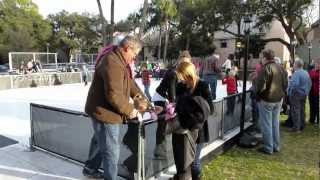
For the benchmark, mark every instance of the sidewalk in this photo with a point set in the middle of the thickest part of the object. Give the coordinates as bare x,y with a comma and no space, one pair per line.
17,162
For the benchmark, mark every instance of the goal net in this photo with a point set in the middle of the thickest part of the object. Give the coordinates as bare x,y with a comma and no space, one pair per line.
85,58
47,61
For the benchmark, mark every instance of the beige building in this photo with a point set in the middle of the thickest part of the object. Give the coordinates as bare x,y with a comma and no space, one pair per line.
225,42
314,35
311,50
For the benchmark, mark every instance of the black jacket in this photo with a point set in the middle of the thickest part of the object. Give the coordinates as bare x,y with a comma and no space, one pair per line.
192,111
167,87
202,89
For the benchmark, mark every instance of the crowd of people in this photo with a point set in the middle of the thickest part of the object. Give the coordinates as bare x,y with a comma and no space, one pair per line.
275,89
32,66
188,92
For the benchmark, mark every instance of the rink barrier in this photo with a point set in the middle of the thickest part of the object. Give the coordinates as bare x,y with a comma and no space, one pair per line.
144,151
41,79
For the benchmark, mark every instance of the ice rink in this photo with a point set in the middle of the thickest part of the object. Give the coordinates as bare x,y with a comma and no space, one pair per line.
17,162
15,109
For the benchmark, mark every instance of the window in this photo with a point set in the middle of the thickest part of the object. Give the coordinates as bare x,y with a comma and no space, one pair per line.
223,44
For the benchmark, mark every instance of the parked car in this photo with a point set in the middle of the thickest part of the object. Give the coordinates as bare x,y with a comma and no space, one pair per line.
4,69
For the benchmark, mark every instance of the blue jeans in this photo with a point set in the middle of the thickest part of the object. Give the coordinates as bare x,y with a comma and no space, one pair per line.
196,165
269,114
212,79
297,111
146,91
105,148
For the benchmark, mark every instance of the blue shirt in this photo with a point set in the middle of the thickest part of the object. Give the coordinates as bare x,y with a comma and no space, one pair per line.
300,83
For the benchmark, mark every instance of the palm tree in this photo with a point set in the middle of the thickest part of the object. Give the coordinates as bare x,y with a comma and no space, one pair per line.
168,11
144,15
103,24
112,21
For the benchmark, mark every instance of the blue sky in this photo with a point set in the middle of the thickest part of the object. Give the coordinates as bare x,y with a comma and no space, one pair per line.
122,7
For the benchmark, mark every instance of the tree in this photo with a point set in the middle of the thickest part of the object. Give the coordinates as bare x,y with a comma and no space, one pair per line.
187,19
289,13
74,32
168,10
22,28
112,21
103,24
144,16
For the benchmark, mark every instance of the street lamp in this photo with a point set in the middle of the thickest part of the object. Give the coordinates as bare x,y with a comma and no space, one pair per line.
247,22
48,52
293,44
238,50
309,48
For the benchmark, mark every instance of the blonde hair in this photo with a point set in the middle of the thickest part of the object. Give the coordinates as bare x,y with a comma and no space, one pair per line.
186,71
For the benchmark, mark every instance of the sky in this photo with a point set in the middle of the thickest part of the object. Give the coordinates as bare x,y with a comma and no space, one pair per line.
122,7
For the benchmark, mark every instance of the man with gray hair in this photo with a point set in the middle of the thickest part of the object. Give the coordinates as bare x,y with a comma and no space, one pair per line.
271,85
299,88
108,106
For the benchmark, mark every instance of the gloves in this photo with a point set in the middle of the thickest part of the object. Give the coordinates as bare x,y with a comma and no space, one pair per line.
139,116
140,103
136,114
133,114
170,114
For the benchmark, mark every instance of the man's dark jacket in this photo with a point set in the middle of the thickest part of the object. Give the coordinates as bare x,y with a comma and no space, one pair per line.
111,88
272,82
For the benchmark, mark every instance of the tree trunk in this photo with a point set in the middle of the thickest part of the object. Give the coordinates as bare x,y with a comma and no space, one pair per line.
188,41
159,46
103,24
166,41
238,64
112,22
143,21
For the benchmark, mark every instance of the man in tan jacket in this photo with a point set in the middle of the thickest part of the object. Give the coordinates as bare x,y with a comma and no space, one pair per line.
108,105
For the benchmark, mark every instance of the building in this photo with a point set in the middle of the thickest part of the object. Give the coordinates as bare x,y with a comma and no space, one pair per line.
311,50
226,43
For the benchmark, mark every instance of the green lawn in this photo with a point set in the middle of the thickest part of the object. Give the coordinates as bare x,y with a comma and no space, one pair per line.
299,158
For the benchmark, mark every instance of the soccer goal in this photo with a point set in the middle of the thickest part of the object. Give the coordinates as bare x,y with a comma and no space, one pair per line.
86,58
48,61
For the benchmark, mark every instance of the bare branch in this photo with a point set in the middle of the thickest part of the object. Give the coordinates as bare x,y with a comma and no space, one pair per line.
300,22
230,32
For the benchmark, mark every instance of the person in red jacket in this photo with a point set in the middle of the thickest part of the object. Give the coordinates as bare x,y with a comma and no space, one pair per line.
146,79
314,93
231,82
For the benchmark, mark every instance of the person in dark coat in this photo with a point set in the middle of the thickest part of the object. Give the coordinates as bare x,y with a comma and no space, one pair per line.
271,85
190,85
314,93
167,89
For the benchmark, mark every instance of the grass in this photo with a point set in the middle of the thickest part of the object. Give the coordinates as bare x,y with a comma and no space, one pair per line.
299,158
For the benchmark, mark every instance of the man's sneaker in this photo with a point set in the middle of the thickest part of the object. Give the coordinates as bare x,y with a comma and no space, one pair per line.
92,173
264,151
293,130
